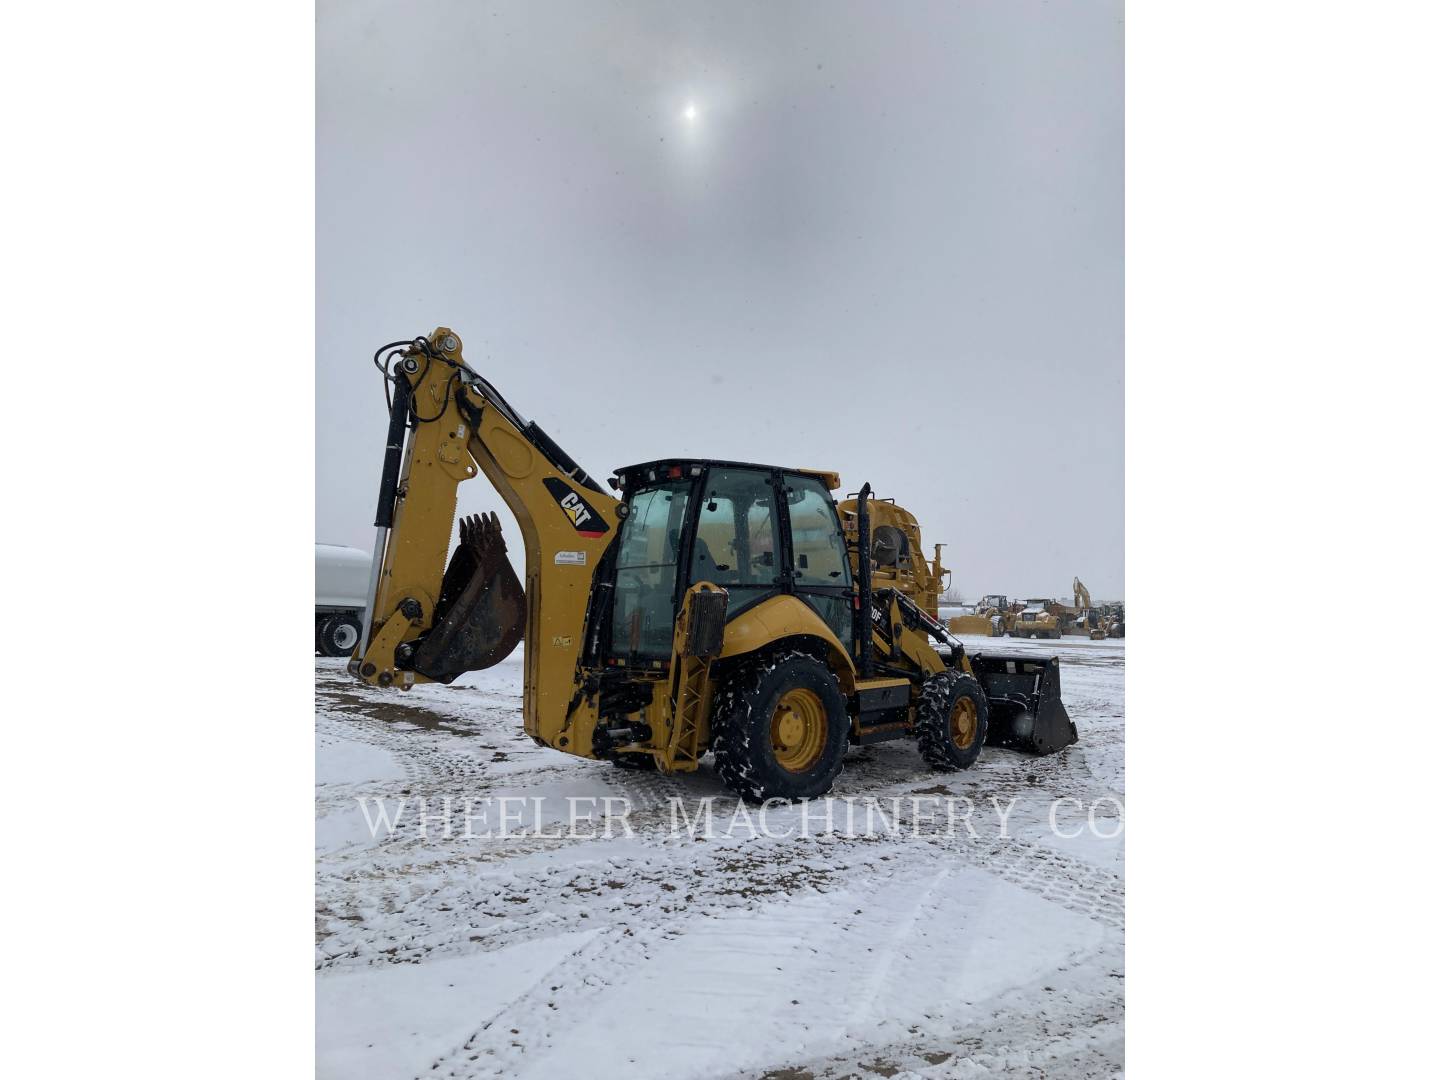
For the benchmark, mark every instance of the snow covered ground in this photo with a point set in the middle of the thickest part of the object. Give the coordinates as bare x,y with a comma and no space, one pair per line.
900,953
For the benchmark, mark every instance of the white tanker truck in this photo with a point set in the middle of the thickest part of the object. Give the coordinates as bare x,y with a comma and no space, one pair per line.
342,583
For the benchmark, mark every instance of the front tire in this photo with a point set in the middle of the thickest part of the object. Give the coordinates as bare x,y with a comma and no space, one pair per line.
339,634
951,720
780,728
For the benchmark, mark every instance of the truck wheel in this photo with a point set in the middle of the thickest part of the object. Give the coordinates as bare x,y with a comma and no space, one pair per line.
339,634
951,720
780,728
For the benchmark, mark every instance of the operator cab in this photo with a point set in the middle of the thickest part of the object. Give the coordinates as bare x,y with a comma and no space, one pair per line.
757,531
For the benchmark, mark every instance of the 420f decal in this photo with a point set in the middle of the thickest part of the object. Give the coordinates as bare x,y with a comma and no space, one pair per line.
581,514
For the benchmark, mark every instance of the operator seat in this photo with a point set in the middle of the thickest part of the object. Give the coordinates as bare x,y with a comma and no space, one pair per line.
702,565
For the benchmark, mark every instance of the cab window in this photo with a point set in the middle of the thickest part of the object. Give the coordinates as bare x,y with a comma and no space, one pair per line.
736,538
819,549
820,566
643,623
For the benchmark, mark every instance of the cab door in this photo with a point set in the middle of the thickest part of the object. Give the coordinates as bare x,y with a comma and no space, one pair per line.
818,569
737,535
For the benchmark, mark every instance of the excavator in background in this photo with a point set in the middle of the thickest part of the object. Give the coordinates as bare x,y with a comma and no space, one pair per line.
1086,618
708,605
1082,619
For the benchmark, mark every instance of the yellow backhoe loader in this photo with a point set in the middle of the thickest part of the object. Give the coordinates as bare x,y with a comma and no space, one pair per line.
713,606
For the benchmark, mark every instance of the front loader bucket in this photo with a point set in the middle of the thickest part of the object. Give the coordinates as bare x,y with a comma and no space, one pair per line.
1026,712
480,616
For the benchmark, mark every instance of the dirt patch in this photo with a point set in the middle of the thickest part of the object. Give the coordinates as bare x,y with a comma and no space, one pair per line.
342,703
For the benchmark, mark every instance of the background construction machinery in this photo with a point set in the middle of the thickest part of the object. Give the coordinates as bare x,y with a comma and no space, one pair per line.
995,615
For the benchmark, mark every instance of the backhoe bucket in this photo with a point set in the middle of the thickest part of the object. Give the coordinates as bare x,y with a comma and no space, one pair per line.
1026,712
480,616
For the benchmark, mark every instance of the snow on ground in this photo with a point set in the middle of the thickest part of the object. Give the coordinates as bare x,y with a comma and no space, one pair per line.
655,954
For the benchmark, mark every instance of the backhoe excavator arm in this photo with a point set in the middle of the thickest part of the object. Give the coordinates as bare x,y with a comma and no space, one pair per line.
427,623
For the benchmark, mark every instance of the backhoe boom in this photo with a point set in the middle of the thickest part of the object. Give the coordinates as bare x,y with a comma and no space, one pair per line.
459,426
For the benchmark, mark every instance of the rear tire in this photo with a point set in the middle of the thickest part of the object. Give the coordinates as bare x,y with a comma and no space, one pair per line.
780,728
339,634
951,720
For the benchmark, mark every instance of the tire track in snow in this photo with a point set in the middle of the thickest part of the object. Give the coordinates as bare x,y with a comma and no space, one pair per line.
528,1025
1077,1030
1072,883
789,948
474,904
865,1002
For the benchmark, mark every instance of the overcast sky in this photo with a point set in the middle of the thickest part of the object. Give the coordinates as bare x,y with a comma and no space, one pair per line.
881,239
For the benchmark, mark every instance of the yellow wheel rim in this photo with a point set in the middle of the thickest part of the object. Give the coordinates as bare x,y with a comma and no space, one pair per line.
964,723
797,730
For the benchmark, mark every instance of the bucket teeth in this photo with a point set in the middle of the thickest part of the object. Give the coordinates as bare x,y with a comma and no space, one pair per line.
480,616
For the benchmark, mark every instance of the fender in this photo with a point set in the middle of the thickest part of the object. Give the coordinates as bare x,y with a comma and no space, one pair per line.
785,617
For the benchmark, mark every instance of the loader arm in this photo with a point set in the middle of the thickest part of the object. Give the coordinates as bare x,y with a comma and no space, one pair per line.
449,425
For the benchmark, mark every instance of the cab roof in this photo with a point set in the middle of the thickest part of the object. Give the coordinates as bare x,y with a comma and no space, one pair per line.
665,468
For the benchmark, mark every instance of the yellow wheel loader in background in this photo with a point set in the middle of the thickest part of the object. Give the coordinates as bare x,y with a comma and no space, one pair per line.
994,617
1038,619
714,605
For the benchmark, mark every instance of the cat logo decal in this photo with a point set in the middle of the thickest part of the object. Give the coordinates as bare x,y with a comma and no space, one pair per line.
581,514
